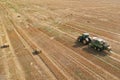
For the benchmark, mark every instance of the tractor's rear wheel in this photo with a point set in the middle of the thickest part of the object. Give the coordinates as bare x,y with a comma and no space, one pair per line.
84,42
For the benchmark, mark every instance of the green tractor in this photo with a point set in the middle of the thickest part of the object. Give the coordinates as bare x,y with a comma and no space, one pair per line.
94,42
99,44
84,39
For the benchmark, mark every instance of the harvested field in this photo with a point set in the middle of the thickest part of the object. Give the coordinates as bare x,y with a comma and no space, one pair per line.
52,27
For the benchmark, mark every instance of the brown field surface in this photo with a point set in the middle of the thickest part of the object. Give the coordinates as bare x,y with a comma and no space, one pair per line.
52,26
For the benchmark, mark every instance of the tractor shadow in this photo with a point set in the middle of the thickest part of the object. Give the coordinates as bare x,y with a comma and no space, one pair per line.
78,44
94,52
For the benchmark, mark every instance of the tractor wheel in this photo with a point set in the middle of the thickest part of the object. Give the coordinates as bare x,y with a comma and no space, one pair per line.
84,42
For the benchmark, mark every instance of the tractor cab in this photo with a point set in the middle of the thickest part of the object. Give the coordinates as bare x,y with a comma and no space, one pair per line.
85,35
84,38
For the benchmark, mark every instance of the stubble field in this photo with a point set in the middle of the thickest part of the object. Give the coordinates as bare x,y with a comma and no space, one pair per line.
53,26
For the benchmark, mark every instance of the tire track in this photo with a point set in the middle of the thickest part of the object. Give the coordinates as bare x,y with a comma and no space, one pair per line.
111,55
77,55
18,51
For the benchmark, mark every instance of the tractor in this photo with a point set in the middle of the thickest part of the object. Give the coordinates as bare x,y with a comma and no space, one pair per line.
99,44
94,42
84,39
